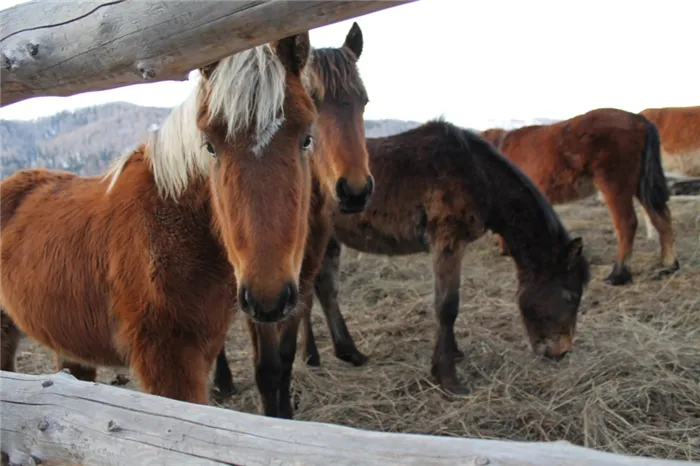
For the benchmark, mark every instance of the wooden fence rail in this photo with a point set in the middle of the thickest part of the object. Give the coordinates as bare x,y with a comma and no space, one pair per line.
60,48
56,419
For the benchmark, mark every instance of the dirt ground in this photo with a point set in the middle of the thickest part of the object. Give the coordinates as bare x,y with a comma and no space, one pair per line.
632,384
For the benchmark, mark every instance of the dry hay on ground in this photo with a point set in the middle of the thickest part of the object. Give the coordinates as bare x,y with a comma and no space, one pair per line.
632,385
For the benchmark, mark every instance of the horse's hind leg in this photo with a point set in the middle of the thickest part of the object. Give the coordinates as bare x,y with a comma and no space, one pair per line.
652,232
662,223
77,370
223,379
9,340
447,263
620,201
326,287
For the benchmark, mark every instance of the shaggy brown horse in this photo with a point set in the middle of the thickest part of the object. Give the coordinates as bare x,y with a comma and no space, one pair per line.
611,150
140,268
439,188
679,128
341,181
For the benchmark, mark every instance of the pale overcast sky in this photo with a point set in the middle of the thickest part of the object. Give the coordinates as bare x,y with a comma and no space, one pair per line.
483,61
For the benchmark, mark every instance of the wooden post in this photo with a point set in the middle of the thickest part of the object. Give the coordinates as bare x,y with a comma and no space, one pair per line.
60,48
56,419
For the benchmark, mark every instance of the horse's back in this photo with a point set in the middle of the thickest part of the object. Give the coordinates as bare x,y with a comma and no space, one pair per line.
21,184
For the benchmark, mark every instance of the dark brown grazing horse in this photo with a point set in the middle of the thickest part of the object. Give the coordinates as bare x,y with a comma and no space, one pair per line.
439,188
140,268
341,181
610,150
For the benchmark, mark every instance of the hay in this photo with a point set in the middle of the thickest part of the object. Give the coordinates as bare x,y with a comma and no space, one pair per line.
632,385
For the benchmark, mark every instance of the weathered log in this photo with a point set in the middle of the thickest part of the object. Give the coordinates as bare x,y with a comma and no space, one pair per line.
60,48
56,419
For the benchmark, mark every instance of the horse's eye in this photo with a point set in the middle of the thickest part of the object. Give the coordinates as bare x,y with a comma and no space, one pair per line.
210,149
308,142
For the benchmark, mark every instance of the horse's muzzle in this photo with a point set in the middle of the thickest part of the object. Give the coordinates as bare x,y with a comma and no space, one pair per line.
352,201
271,312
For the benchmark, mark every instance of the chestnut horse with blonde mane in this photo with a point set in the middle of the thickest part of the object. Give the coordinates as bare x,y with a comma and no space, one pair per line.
139,268
439,188
610,150
341,182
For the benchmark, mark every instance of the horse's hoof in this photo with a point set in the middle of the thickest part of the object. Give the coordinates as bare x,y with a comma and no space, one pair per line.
313,360
619,276
455,388
120,380
666,271
224,390
355,358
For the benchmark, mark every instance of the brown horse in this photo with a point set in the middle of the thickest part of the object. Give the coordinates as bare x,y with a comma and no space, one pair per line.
140,268
341,181
611,150
439,188
679,128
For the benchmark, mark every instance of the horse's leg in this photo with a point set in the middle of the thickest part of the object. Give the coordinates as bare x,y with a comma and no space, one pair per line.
663,224
77,370
620,201
9,340
288,350
447,264
268,367
313,358
223,378
326,288
170,368
652,231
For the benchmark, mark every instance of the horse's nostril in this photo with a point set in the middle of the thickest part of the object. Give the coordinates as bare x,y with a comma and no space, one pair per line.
293,293
369,187
243,298
342,189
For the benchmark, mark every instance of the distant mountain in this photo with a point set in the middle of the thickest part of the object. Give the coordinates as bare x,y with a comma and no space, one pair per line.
85,141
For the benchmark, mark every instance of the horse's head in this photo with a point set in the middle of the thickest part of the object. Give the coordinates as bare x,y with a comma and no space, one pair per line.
257,117
549,302
342,166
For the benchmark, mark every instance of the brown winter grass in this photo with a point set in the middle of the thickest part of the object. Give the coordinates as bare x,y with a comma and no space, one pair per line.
632,385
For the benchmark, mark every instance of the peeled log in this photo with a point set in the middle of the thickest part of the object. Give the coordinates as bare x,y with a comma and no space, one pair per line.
56,419
61,48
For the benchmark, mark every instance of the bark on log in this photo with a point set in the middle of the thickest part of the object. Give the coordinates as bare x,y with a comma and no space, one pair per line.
56,419
60,48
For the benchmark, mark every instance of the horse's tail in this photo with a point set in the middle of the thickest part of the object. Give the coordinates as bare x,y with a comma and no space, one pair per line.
652,189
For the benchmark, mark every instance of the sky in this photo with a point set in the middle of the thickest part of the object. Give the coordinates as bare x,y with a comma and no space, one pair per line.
477,62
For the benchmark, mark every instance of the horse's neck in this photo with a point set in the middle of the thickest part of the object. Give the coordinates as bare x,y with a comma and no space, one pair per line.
521,224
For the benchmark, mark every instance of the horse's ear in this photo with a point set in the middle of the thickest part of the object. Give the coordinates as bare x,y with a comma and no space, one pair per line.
206,71
353,40
294,52
574,250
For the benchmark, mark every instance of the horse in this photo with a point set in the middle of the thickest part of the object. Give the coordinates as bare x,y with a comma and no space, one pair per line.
438,188
342,182
141,267
610,150
679,128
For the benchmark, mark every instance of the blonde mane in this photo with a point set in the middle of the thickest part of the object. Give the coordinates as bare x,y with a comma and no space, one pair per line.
246,91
